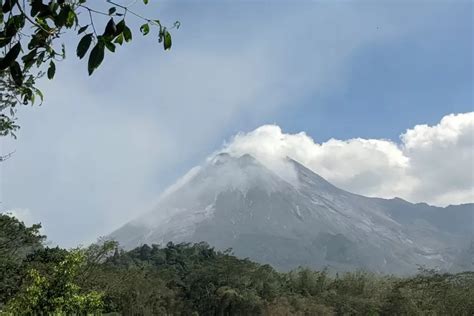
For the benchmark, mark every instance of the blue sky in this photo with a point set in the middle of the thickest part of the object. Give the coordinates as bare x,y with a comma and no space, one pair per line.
101,149
393,84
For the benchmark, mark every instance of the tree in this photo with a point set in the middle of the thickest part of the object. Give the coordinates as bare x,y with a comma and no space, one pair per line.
29,35
57,293
56,281
16,239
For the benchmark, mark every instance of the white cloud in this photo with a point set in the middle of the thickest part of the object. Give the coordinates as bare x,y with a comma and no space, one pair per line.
442,159
432,164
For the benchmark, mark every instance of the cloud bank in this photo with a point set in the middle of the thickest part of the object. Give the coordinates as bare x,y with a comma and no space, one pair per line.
432,164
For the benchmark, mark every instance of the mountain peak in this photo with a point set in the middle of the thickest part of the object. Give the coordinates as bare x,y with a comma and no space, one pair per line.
225,157
221,158
247,158
237,202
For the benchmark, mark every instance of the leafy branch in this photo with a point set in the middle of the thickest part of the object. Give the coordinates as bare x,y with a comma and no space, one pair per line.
29,31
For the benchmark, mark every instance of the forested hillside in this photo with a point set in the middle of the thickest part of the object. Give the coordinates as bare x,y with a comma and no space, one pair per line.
195,279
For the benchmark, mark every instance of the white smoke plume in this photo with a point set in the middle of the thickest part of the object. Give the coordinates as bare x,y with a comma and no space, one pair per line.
432,164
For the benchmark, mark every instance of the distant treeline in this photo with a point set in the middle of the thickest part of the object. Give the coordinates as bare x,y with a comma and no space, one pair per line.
185,279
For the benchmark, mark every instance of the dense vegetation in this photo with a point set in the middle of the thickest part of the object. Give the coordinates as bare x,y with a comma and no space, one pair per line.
185,279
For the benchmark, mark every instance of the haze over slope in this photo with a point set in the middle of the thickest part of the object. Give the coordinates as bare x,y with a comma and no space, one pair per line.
298,218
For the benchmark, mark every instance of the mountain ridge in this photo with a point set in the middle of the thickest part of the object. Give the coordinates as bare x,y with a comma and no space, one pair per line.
237,202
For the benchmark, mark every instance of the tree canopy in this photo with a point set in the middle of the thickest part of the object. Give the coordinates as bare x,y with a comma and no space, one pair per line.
30,43
196,279
17,239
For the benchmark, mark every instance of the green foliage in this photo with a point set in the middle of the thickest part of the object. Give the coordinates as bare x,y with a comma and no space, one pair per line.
195,279
17,242
185,279
29,35
57,293
16,239
433,293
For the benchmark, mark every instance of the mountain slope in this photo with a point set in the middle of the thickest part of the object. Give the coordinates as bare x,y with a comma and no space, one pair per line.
236,202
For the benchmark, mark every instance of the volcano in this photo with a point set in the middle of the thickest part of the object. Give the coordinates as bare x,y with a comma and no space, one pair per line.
297,218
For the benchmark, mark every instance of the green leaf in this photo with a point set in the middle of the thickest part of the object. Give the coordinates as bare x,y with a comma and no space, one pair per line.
84,45
119,39
145,29
8,5
36,7
10,57
120,27
40,58
127,34
51,70
29,59
61,18
14,24
71,19
112,10
96,57
145,1
40,94
31,96
110,28
82,29
110,46
167,40
4,41
16,73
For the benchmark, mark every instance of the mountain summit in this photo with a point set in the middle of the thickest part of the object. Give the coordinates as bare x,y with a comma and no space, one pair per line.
300,219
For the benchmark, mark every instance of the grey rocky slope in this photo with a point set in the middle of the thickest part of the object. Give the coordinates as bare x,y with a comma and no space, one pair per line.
238,203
